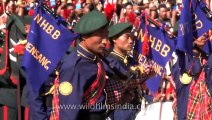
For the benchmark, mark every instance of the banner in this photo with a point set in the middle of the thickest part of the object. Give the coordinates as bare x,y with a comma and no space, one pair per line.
48,40
161,49
193,24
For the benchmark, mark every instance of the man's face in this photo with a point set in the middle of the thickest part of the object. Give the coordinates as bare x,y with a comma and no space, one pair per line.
201,41
71,10
153,14
96,42
124,42
11,8
129,9
163,13
86,9
96,2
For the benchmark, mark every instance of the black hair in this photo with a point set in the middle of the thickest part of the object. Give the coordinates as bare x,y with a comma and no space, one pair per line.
69,4
90,6
126,4
162,6
118,35
118,9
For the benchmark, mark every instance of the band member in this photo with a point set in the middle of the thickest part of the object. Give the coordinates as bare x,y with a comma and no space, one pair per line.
82,75
192,77
123,76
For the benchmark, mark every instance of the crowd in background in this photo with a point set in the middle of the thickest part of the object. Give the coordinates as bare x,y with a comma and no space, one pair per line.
167,11
117,11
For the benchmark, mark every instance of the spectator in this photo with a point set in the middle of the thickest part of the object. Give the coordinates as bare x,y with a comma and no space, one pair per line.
163,15
87,7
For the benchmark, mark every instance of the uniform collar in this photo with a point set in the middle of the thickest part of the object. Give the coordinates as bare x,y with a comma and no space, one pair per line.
118,54
123,58
85,53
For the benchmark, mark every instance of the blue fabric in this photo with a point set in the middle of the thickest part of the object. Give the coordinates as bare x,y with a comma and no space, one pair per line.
121,114
191,30
185,36
80,72
191,27
115,66
45,47
184,64
200,17
208,47
38,108
158,56
208,72
182,90
124,114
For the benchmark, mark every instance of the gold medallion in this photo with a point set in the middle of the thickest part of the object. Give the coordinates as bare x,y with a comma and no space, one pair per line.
65,88
185,78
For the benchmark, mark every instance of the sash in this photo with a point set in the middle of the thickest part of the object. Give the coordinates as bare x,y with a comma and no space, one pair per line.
55,101
94,92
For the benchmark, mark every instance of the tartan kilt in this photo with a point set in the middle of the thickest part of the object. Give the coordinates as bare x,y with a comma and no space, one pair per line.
114,91
200,102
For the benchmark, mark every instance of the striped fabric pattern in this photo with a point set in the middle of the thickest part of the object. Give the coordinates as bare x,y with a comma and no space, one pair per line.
115,90
200,102
94,92
55,101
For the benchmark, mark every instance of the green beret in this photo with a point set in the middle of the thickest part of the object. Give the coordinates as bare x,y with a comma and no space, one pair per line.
118,28
27,20
91,22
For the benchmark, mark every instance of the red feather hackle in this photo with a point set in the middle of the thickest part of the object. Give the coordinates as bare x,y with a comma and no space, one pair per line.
132,18
109,10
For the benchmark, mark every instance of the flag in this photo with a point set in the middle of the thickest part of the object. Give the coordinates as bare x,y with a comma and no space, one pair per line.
48,40
161,47
193,24
202,21
185,31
